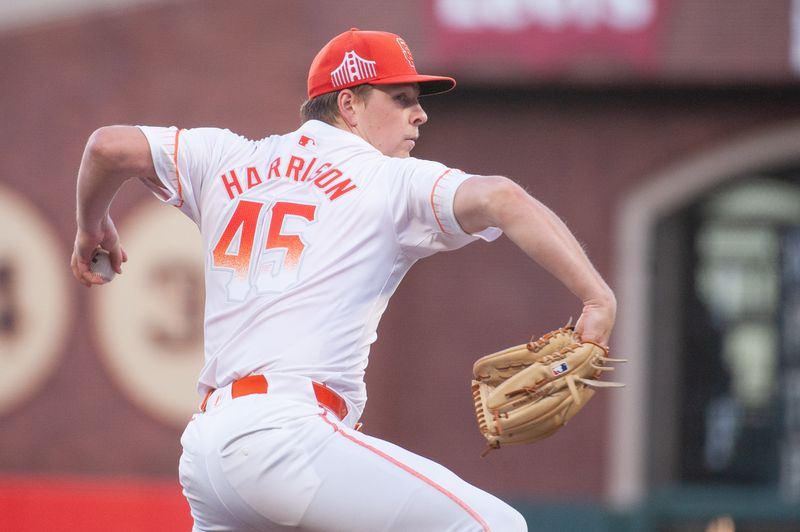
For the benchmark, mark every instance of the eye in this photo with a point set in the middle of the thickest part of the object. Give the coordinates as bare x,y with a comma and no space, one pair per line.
405,99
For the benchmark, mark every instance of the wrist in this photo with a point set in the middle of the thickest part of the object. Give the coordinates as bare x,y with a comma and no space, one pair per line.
604,299
91,225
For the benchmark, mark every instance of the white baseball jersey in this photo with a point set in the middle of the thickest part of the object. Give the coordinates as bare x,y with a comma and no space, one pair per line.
306,236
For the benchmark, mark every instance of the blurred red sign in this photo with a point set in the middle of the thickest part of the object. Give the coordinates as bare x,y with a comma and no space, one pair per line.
53,504
548,35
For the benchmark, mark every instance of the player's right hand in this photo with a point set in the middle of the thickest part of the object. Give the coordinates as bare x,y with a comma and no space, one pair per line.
86,242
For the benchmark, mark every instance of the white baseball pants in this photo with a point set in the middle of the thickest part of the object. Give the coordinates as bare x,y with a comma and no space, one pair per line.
279,461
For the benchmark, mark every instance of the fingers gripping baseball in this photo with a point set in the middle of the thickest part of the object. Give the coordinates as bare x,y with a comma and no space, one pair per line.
97,255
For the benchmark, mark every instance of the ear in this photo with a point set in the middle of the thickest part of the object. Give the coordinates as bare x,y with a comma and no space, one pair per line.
346,102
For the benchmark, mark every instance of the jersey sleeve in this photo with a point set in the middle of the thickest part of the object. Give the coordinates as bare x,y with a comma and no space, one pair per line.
184,159
422,201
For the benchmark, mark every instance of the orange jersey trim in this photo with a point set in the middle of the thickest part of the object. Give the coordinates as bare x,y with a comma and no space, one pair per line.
177,172
433,205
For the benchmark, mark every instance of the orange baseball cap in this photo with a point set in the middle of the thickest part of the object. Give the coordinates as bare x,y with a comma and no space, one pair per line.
356,57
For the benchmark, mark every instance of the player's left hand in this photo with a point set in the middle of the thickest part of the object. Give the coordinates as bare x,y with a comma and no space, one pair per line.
597,320
86,242
525,393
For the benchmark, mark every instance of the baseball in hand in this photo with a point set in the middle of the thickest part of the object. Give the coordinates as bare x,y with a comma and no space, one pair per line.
101,264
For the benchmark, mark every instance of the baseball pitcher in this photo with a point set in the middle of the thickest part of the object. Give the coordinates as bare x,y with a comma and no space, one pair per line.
306,237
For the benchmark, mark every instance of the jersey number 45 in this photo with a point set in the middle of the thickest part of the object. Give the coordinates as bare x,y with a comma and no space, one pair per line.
275,266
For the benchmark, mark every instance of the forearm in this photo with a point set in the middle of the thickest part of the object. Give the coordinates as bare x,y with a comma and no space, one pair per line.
112,155
99,179
537,231
496,201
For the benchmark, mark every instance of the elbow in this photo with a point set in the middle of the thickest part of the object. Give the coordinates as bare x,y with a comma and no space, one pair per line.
120,150
104,147
504,199
505,190
489,201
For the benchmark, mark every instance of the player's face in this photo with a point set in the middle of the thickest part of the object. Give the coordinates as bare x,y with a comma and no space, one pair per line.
389,118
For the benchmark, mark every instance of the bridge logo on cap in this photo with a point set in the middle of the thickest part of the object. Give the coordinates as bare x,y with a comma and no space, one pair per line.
353,68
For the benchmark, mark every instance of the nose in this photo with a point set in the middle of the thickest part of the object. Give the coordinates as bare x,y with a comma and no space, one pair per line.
418,116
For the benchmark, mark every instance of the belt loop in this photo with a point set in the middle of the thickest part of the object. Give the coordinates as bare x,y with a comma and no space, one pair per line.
205,400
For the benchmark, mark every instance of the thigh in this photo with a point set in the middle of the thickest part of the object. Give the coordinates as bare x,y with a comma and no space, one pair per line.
369,484
317,475
199,487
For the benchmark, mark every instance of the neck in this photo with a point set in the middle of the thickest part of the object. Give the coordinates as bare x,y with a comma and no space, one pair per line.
341,124
344,126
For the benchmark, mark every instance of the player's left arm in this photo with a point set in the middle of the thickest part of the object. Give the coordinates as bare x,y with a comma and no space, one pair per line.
113,154
495,201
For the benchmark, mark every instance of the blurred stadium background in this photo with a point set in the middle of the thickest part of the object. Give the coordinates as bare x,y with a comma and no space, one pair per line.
666,132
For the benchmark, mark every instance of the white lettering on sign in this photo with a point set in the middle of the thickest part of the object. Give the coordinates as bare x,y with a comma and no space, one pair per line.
511,15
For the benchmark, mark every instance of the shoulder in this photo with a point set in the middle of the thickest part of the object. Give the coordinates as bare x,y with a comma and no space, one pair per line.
412,167
177,136
215,134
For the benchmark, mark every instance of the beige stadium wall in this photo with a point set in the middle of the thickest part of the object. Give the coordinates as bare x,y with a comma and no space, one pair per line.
112,381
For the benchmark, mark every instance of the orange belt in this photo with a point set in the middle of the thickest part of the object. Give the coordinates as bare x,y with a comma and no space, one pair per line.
251,384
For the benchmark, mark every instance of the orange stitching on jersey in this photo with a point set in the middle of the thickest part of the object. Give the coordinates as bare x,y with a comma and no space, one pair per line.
177,172
411,471
433,205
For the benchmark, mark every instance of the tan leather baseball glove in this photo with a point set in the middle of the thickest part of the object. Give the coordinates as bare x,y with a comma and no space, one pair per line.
525,393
